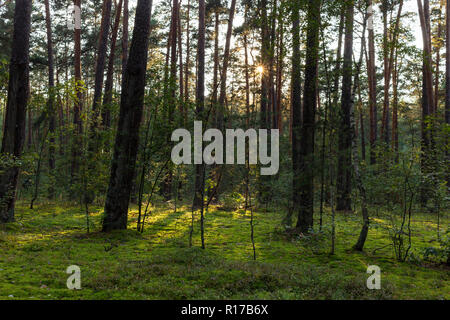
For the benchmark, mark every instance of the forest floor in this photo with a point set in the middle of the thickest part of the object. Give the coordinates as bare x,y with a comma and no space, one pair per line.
158,264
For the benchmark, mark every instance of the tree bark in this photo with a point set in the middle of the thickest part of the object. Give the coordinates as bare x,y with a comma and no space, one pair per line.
295,112
78,104
16,105
306,195
127,137
198,202
51,97
345,136
371,70
107,98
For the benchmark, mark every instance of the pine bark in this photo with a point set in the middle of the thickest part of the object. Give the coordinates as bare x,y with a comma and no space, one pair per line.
16,106
127,137
345,135
306,195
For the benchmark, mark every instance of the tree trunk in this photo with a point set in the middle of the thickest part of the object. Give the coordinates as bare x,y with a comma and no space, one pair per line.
100,72
188,50
198,201
371,70
127,137
16,105
107,98
226,57
51,97
345,135
296,112
306,195
78,105
447,80
124,37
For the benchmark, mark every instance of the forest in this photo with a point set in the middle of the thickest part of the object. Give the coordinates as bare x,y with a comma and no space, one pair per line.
223,149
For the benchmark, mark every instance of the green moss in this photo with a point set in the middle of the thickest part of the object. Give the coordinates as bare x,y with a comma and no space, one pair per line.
157,264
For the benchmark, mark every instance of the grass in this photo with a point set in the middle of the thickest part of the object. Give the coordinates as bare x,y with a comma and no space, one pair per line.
158,264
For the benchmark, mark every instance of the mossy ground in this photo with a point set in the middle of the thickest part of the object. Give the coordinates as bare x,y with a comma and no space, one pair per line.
158,264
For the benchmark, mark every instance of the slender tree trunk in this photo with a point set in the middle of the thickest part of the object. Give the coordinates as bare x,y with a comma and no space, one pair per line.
296,112
427,95
198,202
226,57
16,105
100,72
371,70
124,36
51,99
215,91
279,75
107,98
447,79
344,157
78,105
188,50
395,107
306,195
127,137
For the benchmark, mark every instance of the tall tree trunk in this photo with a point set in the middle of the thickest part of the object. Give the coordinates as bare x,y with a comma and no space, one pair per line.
124,36
51,97
198,202
295,111
354,144
345,136
265,63
16,105
100,72
226,58
180,56
371,70
215,91
306,195
188,50
385,117
107,98
279,76
447,78
427,95
127,136
78,105
395,107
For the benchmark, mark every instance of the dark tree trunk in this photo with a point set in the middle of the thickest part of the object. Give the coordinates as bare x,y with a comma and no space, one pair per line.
124,37
371,70
295,112
215,91
306,188
265,61
188,50
345,136
16,105
198,201
127,137
107,98
100,72
427,95
447,81
78,105
226,58
51,98
200,100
